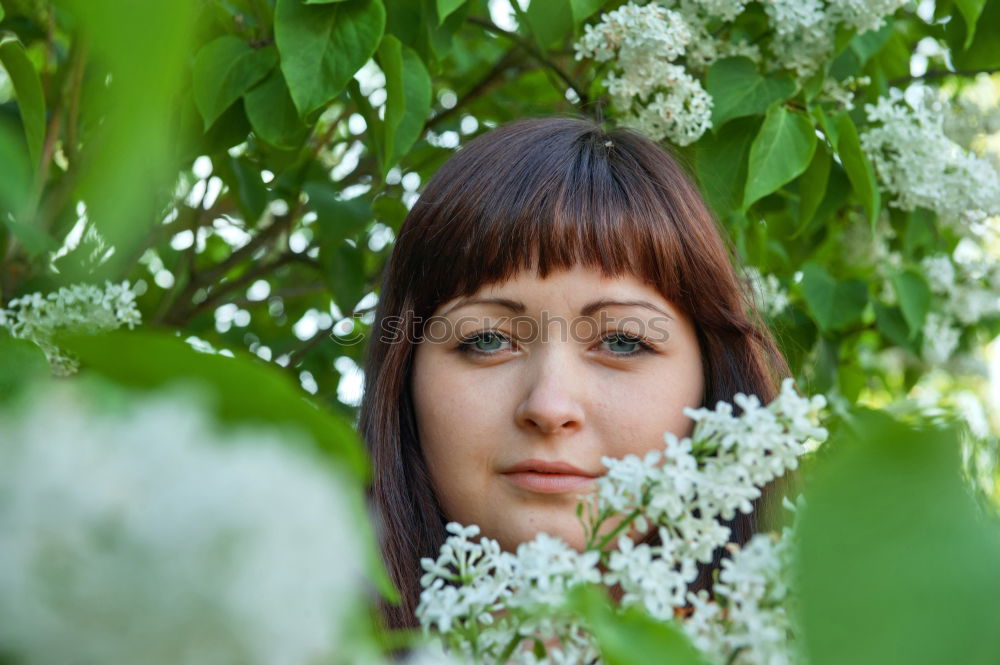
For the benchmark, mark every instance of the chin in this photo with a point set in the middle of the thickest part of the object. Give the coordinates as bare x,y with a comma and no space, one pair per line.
571,534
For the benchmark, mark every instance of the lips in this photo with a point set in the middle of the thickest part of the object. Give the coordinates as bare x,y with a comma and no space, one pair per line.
547,477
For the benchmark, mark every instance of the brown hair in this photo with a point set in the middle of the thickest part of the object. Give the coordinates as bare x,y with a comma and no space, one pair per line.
551,192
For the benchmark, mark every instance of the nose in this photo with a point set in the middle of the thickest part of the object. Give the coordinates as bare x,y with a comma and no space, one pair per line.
551,403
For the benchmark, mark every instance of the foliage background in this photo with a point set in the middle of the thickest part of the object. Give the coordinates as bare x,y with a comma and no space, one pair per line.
247,163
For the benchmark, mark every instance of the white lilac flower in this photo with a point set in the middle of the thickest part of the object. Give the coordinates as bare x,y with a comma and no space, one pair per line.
139,531
804,30
863,15
770,297
727,10
973,411
803,35
965,285
545,568
648,578
655,95
432,654
481,600
755,627
941,338
921,166
682,114
940,273
634,33
842,92
705,47
80,308
466,584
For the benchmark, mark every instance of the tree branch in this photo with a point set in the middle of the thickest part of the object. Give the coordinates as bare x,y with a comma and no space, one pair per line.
227,287
481,87
534,52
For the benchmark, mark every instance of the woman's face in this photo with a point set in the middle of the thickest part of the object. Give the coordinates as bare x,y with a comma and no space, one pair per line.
520,389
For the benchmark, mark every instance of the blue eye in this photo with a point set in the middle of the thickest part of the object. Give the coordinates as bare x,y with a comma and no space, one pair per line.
623,344
485,342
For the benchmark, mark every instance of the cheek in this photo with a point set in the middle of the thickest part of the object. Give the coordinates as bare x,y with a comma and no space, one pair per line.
455,425
637,412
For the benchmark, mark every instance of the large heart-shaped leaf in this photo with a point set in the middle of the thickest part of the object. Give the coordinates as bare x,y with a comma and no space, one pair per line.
322,46
224,69
781,151
833,303
737,89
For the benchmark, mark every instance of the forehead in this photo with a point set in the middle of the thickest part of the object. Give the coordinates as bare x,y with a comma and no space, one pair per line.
576,278
551,200
579,287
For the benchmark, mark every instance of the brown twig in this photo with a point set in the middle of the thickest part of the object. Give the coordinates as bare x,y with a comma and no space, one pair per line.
481,87
246,278
533,52
287,293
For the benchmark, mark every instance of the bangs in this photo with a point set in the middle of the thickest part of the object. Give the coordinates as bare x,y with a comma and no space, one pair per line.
550,194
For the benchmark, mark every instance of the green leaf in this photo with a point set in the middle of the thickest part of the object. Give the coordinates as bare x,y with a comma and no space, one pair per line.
390,211
322,2
832,302
859,169
34,240
550,21
245,389
244,181
224,69
983,50
583,9
896,562
322,46
446,7
631,636
890,322
781,151
1,12
272,113
336,218
15,181
721,164
914,298
812,185
20,363
920,231
738,90
374,137
28,90
343,267
825,366
145,46
971,9
838,191
408,99
869,43
829,128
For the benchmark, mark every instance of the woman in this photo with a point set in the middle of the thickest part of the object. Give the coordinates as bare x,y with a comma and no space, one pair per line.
557,293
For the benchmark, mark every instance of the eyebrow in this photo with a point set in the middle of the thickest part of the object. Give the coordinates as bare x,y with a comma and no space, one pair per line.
587,310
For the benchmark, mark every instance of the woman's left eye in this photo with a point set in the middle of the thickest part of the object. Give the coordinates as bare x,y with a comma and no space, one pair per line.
623,344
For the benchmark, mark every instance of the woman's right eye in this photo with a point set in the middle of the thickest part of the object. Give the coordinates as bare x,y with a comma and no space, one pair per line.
486,342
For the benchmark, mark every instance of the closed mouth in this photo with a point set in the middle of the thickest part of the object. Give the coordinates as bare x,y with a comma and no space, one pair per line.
547,477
